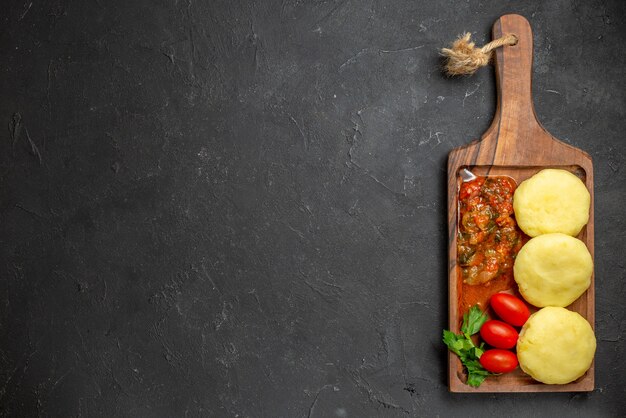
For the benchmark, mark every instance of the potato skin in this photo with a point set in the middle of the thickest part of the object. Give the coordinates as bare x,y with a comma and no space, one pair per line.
553,270
553,200
556,346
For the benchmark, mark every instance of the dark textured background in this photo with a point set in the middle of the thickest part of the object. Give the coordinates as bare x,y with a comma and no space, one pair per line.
236,208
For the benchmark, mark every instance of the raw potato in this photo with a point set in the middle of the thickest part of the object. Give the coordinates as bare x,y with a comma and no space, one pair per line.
553,270
556,346
552,200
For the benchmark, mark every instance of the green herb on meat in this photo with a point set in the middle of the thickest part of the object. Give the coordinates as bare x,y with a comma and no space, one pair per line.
463,346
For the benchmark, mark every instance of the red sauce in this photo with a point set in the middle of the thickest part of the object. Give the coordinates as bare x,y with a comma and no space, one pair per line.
488,238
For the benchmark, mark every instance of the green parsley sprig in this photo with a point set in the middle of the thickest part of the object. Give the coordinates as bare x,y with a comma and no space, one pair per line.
463,346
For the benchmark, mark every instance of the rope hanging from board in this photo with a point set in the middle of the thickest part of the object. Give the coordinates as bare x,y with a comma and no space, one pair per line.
464,58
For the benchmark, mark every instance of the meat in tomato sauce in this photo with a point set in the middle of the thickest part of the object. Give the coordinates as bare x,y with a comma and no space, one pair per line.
488,238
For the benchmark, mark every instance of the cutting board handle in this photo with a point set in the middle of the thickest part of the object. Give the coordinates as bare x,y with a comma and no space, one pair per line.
513,66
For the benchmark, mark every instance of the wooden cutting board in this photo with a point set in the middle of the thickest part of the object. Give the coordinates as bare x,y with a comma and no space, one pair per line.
515,145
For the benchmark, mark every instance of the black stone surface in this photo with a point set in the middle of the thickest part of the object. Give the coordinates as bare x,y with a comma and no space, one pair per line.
236,208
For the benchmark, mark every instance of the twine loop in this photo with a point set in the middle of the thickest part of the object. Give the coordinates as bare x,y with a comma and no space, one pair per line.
464,58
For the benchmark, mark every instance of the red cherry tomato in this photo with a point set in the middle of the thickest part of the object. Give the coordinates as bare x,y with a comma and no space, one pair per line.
498,334
498,361
510,309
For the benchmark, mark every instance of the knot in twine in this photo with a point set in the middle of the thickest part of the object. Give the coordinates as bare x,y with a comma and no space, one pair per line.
464,58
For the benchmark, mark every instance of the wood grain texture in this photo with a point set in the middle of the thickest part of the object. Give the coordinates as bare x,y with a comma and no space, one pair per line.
518,146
